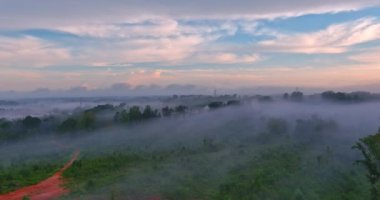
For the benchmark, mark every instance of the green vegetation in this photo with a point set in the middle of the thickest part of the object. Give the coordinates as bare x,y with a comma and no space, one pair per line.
285,171
262,177
370,149
242,155
21,174
214,169
91,172
81,121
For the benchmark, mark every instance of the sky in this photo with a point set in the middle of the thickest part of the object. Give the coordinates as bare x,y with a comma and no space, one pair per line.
100,44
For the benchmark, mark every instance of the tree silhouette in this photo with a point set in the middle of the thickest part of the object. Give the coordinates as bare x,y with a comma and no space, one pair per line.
30,122
370,149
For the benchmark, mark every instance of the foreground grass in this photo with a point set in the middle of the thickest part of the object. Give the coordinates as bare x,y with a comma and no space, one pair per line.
94,171
279,169
24,173
284,171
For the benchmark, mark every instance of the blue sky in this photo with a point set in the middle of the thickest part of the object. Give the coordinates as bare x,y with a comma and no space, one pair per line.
226,44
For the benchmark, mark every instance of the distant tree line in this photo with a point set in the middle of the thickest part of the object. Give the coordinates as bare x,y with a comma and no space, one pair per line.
294,96
91,119
348,97
82,121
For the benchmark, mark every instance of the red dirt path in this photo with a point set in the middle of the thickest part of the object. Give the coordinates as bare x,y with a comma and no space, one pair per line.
50,188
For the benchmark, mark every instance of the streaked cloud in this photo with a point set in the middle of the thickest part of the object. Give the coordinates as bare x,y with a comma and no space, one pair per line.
128,29
30,52
336,38
45,14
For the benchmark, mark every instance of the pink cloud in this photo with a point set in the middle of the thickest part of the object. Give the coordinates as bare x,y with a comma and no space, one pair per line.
30,52
227,58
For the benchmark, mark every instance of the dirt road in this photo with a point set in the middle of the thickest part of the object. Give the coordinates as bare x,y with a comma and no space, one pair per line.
50,188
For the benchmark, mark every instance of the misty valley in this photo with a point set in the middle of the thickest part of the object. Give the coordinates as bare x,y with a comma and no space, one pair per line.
189,100
291,146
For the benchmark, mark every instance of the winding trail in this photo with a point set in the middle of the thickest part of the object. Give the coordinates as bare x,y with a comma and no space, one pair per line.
50,188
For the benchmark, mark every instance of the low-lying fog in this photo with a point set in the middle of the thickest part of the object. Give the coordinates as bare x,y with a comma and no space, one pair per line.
228,124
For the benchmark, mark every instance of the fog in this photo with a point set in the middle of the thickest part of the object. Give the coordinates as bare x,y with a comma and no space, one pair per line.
231,130
354,121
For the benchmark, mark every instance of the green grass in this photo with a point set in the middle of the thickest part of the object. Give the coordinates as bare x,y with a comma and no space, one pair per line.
91,172
209,171
20,175
282,170
261,177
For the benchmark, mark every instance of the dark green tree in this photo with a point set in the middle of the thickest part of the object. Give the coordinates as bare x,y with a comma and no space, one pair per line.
117,117
215,104
30,122
233,102
5,124
149,113
70,124
135,113
370,150
285,96
87,120
180,109
166,111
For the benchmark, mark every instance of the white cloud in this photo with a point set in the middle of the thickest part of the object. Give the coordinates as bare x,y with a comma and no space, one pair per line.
162,41
153,28
167,50
129,29
45,14
335,39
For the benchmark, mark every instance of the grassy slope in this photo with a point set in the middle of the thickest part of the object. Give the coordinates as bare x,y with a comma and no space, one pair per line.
280,171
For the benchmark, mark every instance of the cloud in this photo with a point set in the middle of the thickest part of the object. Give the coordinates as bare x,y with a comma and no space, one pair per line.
161,40
124,53
336,38
156,28
227,58
30,52
169,41
45,14
127,39
161,27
